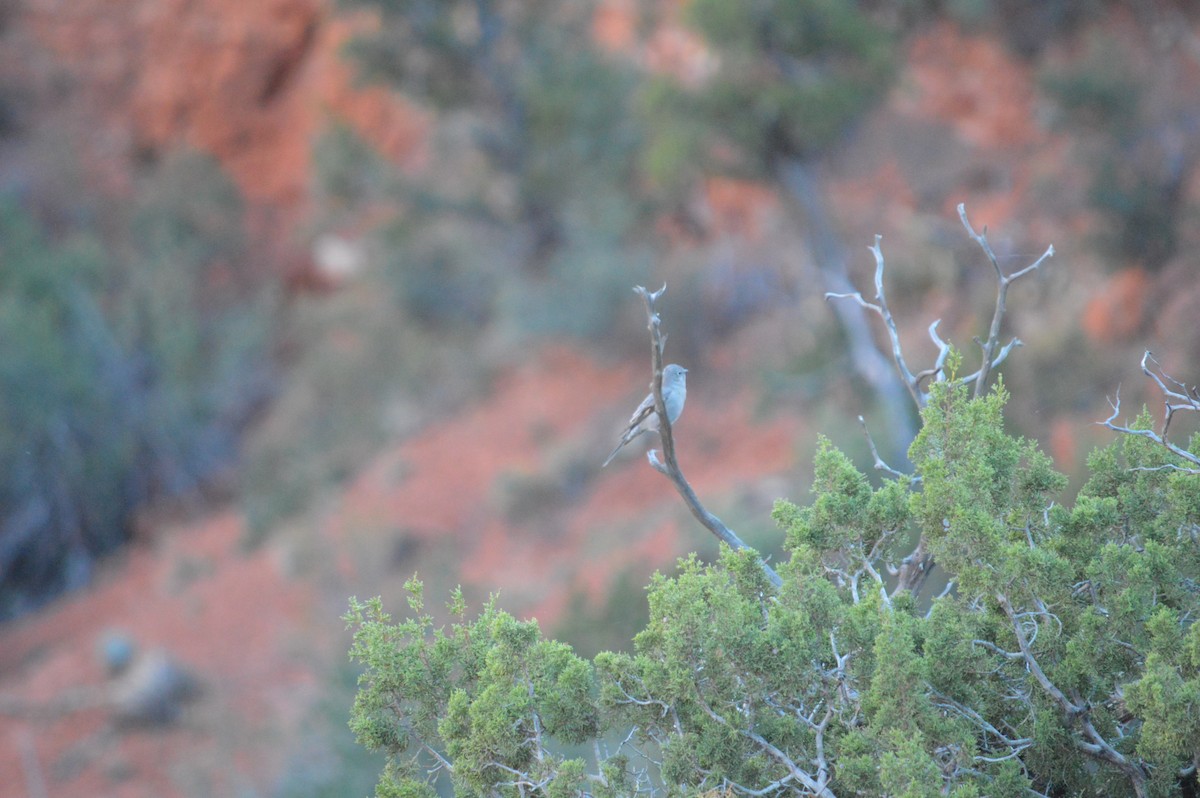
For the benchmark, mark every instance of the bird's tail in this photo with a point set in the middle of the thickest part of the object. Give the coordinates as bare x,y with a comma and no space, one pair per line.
626,438
620,446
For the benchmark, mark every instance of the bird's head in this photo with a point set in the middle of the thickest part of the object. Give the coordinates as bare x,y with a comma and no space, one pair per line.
674,373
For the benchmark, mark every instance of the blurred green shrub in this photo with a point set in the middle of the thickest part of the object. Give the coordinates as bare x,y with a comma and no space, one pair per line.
1145,209
63,434
1098,88
128,368
362,371
1064,661
350,175
528,213
787,80
1138,171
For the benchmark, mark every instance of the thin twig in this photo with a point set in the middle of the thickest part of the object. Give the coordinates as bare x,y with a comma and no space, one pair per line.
880,465
993,353
906,376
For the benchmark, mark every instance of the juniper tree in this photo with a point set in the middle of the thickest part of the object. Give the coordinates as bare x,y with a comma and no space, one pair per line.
1059,657
1062,660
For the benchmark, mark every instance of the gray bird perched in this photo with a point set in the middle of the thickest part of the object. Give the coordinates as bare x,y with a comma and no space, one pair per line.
644,419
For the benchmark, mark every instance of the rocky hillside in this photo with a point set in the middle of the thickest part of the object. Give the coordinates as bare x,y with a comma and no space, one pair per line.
485,473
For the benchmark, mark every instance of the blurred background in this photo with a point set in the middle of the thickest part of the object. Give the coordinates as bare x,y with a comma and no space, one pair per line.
300,297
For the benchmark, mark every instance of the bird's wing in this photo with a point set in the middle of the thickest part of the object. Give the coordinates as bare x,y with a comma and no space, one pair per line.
643,411
635,428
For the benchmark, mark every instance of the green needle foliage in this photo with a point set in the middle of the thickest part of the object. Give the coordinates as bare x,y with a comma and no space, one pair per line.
1062,658
488,695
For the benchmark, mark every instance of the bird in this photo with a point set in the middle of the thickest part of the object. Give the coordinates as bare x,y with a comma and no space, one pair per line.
645,419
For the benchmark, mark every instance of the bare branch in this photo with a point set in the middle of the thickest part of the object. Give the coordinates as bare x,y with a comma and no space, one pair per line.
857,297
914,569
1003,282
880,465
993,353
1167,467
442,763
1015,746
906,376
1174,401
945,592
995,649
893,335
818,786
669,467
1068,707
943,353
770,788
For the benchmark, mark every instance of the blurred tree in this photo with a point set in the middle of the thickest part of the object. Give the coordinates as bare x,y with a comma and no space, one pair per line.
127,371
1134,128
789,78
62,440
540,186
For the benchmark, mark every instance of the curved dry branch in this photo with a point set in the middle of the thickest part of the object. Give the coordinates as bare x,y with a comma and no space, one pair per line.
1178,397
880,465
817,785
670,466
880,307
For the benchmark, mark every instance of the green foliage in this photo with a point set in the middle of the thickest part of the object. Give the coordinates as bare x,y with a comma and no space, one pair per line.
983,491
489,695
63,434
847,515
1136,182
530,218
127,369
789,79
1064,660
